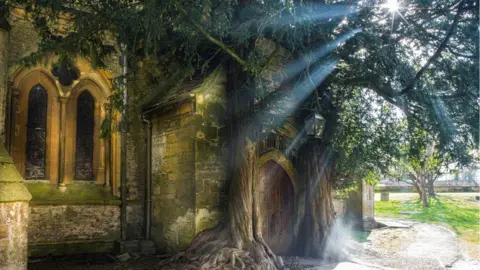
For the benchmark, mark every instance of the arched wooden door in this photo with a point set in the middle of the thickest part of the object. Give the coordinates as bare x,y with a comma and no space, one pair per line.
277,199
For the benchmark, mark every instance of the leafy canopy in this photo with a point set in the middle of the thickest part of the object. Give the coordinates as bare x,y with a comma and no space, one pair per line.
421,59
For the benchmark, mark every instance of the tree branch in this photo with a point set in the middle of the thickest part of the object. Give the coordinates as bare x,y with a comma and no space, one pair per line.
459,54
211,38
434,57
383,90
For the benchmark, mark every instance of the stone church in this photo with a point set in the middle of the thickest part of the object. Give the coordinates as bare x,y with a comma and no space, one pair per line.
61,183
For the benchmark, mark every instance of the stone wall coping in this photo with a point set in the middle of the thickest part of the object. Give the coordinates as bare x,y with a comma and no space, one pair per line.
12,188
4,156
14,192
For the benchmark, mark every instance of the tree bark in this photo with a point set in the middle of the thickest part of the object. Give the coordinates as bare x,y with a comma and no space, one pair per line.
416,184
430,186
315,167
423,191
238,244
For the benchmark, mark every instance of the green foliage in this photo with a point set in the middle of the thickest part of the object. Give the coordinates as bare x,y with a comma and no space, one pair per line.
424,64
368,132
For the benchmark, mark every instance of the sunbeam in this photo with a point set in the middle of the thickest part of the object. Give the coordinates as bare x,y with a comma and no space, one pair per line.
442,115
327,156
295,142
392,5
284,106
294,69
317,13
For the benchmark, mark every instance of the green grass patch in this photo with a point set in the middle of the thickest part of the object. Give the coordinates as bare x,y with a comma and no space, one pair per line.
461,215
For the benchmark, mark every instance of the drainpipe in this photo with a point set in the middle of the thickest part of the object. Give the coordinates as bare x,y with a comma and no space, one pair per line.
148,179
123,148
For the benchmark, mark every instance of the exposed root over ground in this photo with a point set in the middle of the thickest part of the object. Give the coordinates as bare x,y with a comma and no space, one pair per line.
218,249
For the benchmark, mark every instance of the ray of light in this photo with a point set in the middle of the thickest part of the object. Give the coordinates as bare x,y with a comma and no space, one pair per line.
401,16
294,69
295,142
282,107
326,158
312,14
442,115
392,5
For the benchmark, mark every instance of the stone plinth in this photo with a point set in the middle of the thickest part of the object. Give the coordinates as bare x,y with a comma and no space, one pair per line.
14,211
360,207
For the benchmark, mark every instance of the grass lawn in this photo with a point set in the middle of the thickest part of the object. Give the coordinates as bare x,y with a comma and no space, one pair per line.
461,213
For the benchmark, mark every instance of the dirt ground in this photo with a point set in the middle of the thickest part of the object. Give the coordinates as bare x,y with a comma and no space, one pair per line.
401,245
412,245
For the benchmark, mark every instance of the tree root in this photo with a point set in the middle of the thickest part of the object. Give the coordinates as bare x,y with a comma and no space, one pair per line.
217,249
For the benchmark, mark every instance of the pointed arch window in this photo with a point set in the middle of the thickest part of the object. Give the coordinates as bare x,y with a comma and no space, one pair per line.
84,136
35,159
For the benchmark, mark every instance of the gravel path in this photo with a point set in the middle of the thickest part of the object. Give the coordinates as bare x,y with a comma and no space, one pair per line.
401,245
412,245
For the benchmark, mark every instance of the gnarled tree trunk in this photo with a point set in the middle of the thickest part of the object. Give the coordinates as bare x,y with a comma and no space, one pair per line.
315,161
238,244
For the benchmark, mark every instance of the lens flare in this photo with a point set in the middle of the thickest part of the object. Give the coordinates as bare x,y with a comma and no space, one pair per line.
392,5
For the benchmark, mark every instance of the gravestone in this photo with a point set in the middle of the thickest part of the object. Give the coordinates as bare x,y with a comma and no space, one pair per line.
384,196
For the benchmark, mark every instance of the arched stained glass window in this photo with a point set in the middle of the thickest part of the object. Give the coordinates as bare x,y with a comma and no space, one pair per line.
36,133
84,137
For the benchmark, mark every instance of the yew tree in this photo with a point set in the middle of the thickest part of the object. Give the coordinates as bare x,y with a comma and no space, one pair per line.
360,64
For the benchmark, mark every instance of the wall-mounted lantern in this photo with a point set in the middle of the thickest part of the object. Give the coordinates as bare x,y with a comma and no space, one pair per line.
314,125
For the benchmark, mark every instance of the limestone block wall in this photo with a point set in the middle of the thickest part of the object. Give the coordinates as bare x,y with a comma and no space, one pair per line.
135,225
211,152
3,78
23,38
59,223
13,235
339,207
89,223
360,206
210,185
173,179
368,210
64,229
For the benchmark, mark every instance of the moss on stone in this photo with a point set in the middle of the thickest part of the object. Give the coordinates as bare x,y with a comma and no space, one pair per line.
4,156
11,183
9,173
45,193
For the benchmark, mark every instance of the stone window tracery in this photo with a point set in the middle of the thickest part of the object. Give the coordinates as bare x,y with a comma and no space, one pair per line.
35,160
84,136
54,131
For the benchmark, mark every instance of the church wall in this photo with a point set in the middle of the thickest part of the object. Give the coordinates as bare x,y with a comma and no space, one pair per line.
189,160
15,43
211,152
3,85
23,37
67,229
173,176
13,234
85,218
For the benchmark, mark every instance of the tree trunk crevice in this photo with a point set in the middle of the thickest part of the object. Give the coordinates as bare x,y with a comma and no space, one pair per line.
315,161
237,244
